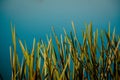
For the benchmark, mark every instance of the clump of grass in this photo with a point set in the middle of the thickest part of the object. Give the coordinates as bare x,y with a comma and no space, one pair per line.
81,55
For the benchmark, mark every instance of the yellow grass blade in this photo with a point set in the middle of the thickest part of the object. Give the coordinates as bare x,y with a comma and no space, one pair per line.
63,72
33,48
14,55
73,26
38,56
95,38
25,53
23,50
11,61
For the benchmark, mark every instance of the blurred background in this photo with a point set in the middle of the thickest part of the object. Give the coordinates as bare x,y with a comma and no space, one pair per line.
34,18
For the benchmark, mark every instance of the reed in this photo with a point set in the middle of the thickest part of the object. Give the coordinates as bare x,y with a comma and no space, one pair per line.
70,51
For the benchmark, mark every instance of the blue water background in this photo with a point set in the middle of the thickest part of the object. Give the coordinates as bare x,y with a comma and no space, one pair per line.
34,18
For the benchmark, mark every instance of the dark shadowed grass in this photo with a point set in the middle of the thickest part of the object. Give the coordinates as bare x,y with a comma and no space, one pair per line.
1,78
44,62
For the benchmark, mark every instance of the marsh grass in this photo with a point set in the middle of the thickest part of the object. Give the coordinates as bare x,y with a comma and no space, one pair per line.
46,63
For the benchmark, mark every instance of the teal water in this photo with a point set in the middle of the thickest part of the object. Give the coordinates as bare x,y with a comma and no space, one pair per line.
34,18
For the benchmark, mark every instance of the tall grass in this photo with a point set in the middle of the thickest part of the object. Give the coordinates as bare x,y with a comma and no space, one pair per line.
70,51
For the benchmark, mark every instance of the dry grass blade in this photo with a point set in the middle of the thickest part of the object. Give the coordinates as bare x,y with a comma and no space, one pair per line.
95,38
25,53
73,26
14,55
23,50
38,61
23,69
63,72
33,48
11,61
